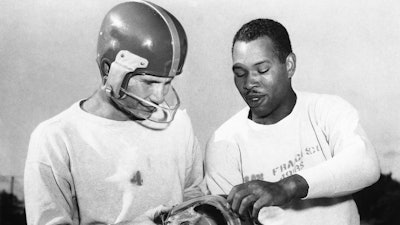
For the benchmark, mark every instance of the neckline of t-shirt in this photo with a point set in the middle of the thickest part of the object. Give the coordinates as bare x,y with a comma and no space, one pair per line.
86,116
282,123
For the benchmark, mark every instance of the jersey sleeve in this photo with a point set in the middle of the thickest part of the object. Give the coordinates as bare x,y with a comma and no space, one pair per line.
352,163
48,188
222,165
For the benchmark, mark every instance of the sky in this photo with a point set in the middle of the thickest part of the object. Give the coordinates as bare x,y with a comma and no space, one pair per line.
346,48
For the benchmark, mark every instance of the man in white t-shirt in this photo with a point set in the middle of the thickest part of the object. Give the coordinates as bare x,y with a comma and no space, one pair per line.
118,156
290,157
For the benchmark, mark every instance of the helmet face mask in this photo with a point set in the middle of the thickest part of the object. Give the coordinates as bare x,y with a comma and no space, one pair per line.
140,96
156,44
159,113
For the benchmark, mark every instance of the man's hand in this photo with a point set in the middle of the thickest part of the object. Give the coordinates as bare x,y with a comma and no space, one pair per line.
258,194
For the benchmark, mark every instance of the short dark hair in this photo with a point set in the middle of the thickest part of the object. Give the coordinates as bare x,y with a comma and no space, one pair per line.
270,28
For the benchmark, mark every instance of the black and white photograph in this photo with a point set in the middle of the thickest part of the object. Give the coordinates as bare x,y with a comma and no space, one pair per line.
199,112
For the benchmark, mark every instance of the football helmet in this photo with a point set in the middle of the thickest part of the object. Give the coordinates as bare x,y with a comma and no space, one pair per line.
146,39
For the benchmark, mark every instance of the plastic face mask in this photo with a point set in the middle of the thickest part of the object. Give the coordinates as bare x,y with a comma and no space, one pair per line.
160,113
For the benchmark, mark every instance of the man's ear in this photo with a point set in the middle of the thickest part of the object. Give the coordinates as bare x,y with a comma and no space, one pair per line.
291,64
105,69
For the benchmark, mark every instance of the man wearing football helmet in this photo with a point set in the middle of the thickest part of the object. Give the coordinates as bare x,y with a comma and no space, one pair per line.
118,155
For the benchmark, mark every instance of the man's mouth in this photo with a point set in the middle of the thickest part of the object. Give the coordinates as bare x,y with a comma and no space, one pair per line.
145,108
136,105
254,100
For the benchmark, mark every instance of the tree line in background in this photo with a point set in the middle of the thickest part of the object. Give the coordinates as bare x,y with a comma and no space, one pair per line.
378,204
12,211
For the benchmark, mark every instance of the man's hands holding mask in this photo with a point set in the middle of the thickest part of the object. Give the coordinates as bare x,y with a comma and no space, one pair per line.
256,194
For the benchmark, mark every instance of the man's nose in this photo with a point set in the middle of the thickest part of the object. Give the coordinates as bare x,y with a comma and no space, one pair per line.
251,81
158,94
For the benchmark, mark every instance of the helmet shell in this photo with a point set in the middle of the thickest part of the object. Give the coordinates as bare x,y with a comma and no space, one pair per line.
146,30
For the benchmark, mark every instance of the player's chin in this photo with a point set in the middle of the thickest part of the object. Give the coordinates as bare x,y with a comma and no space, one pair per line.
262,110
146,108
138,115
138,106
138,111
